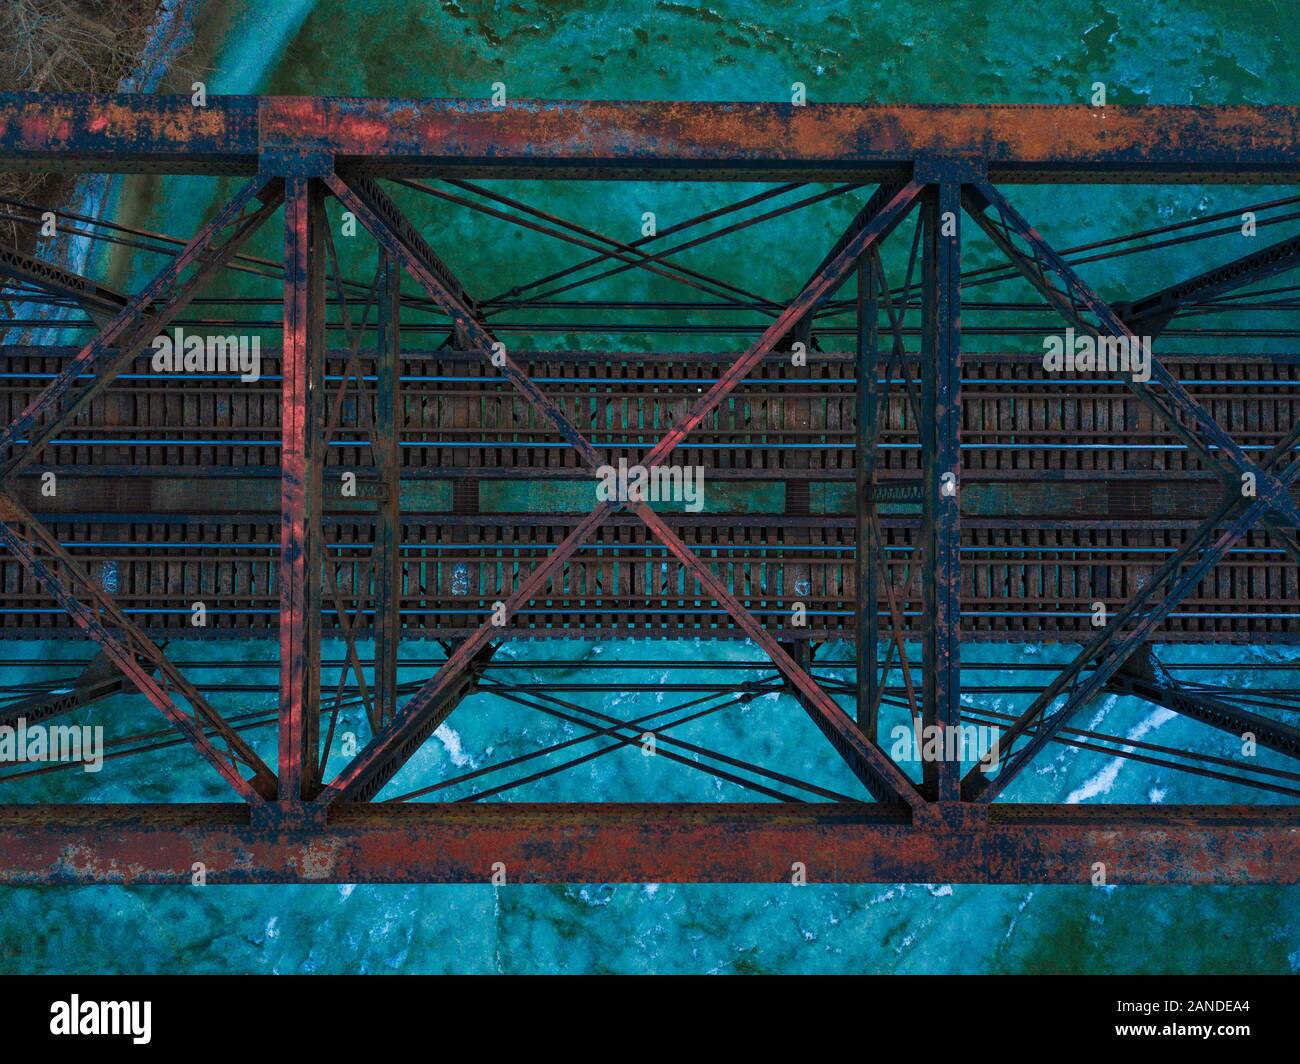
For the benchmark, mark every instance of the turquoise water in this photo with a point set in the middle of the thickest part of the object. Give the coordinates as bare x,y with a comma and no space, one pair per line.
654,927
886,52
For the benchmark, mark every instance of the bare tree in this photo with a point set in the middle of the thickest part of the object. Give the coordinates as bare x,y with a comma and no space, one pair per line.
63,46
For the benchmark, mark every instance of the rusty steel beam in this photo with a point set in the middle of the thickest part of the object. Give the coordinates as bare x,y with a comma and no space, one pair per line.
1142,676
658,842
940,431
387,570
671,140
866,436
395,743
301,491
1151,314
378,202
100,679
99,301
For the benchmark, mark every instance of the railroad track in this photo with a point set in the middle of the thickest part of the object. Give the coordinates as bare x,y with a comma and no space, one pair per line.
1070,496
1032,583
460,418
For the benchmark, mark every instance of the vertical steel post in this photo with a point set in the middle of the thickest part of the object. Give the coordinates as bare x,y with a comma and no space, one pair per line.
867,371
301,460
388,529
941,461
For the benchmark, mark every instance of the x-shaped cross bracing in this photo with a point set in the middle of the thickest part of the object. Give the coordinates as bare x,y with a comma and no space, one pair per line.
1135,622
390,748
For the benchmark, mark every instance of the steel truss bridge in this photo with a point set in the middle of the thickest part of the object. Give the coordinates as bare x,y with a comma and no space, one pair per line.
913,498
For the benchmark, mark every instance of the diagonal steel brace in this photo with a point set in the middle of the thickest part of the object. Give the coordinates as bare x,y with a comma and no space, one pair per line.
1076,300
132,651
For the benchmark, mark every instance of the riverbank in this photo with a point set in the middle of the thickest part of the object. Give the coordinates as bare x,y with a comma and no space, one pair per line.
88,46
